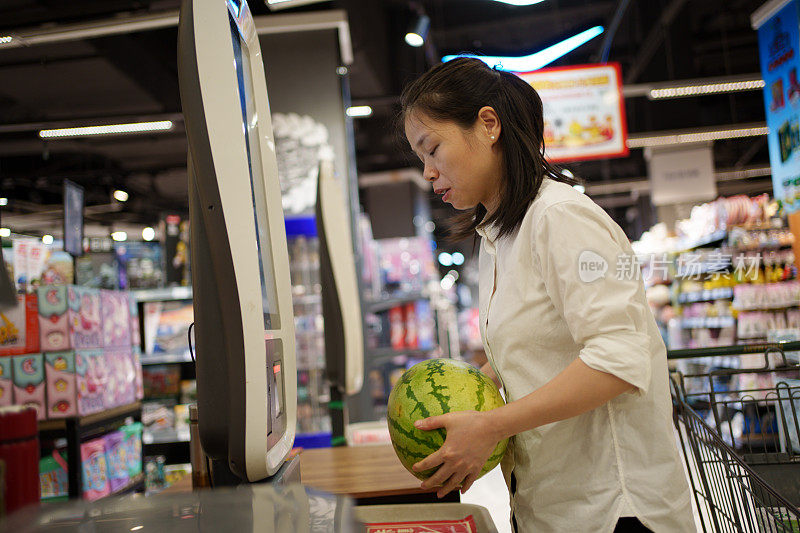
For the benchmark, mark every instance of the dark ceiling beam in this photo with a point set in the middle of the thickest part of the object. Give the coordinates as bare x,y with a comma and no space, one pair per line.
132,55
530,26
654,40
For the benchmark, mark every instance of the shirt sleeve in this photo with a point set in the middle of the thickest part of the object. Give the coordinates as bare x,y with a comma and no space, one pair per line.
592,281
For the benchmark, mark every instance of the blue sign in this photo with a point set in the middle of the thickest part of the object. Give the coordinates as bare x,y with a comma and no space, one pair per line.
779,51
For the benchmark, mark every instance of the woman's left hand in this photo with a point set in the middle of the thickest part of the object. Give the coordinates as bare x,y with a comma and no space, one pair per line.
468,445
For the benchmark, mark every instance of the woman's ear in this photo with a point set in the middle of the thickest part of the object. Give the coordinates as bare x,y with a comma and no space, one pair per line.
488,123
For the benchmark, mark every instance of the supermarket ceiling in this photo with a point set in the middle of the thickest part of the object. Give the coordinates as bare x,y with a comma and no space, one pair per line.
134,75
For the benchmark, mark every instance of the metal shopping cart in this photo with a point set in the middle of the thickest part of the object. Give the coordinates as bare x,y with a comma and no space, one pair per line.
737,411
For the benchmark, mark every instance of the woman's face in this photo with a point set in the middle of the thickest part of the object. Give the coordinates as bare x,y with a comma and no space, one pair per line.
464,167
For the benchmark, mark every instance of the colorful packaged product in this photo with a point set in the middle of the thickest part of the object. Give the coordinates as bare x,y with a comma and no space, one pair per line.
132,441
85,320
120,387
6,383
53,482
116,319
62,392
95,470
137,368
136,335
90,369
162,380
69,318
19,327
29,382
397,332
116,457
426,325
412,335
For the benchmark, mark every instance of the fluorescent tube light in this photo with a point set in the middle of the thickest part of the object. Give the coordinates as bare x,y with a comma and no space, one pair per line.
695,137
707,88
110,129
358,111
520,2
539,59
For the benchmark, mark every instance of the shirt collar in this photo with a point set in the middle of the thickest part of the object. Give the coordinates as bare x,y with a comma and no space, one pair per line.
489,234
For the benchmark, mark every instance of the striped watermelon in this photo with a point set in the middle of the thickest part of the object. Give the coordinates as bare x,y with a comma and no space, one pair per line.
431,388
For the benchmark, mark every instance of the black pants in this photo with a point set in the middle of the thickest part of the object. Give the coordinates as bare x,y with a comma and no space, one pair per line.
630,525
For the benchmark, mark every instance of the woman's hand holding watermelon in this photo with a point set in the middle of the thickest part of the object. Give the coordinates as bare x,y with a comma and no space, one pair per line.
468,446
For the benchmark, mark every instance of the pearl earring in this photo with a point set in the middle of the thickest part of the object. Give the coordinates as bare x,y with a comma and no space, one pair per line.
491,137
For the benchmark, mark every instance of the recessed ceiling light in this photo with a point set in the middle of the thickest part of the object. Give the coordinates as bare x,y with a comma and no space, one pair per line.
120,195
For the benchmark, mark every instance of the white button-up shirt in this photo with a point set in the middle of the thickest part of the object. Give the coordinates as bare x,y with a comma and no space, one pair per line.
565,286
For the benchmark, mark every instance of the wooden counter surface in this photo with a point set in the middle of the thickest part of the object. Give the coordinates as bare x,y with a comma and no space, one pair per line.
360,471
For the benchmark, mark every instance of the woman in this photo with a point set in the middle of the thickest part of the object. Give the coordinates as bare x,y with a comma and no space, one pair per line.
567,332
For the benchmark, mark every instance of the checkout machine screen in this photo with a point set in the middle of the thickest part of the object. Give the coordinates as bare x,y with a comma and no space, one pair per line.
236,10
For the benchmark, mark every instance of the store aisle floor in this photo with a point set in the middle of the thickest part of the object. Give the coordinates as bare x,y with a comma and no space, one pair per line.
491,492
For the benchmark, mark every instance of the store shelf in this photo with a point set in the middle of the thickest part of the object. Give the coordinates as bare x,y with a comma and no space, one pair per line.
708,322
165,436
724,293
768,307
166,358
135,485
383,353
713,238
376,306
704,268
167,293
88,421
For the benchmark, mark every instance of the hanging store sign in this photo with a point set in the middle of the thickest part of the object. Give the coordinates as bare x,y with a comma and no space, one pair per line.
584,111
779,52
681,174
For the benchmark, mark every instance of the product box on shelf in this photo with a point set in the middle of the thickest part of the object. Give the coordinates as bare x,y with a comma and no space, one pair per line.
137,369
116,459
133,311
90,369
69,317
132,443
120,388
29,382
53,482
116,318
95,469
19,327
6,383
62,393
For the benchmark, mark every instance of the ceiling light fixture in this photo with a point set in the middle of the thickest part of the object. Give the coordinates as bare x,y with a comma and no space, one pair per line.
539,59
359,111
3,202
580,188
110,129
119,236
148,234
520,2
120,195
286,4
696,137
5,232
6,39
47,239
419,32
705,88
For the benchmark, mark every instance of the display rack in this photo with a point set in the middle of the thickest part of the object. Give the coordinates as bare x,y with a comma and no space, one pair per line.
78,429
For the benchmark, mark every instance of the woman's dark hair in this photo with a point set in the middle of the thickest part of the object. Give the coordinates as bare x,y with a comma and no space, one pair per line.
455,91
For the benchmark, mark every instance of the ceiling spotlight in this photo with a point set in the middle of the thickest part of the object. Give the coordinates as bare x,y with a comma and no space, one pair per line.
6,39
539,59
359,111
5,232
567,172
148,234
47,239
120,195
119,236
458,259
3,202
445,259
110,129
579,188
419,32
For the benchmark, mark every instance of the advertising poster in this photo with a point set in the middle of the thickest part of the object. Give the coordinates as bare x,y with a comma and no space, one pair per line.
778,40
584,111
